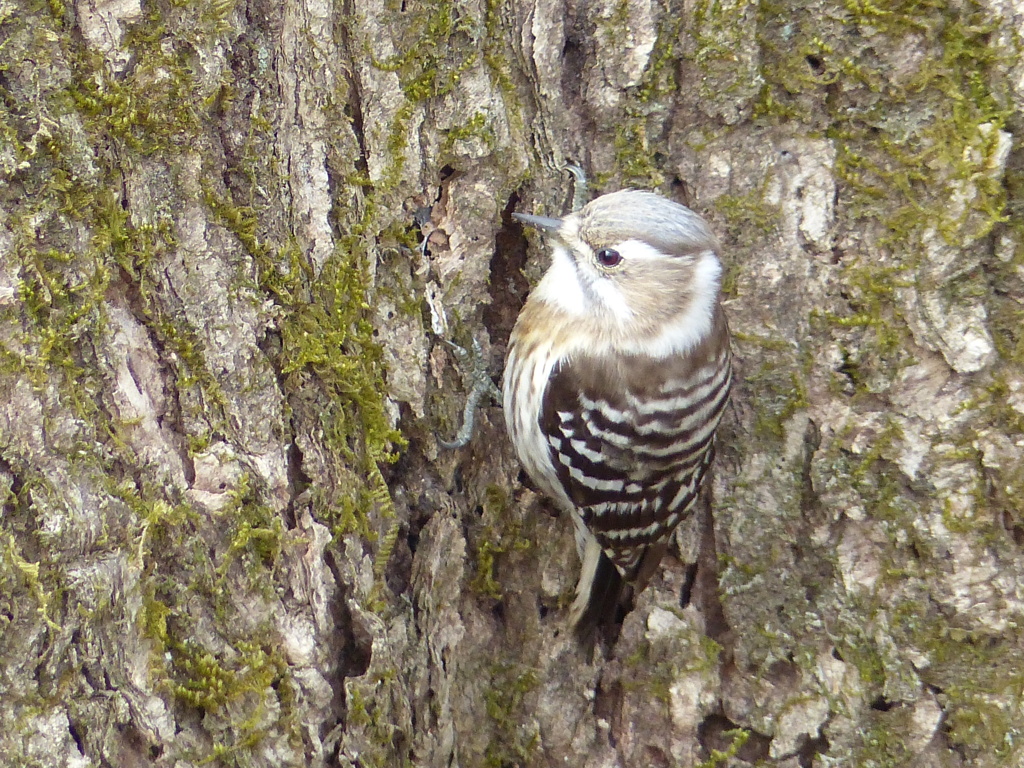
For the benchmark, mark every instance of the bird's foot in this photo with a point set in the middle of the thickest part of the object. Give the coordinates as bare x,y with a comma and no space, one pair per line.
474,370
580,189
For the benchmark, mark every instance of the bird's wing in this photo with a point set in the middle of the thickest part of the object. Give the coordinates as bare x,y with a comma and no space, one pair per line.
631,442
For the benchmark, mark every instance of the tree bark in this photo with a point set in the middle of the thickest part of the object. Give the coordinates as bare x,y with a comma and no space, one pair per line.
234,239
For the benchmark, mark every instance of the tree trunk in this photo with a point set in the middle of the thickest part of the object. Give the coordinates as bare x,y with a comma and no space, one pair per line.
234,239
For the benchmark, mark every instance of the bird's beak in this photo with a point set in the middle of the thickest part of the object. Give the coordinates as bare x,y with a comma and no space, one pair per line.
543,223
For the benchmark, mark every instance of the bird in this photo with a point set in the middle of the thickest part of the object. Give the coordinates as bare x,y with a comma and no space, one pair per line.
617,373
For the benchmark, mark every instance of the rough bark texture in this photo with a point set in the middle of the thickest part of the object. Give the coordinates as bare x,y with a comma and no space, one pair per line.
228,535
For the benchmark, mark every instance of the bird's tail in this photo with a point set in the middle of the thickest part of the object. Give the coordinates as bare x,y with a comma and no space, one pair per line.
598,594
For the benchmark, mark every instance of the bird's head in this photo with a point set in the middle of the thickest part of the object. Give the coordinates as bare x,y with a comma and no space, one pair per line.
636,270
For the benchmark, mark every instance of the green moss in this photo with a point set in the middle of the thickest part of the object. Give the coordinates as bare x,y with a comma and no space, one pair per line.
718,757
720,32
57,9
213,16
56,191
999,490
983,725
514,742
633,156
327,331
255,538
136,251
655,666
484,583
498,63
909,141
913,142
862,652
61,300
782,392
158,104
1006,316
26,574
153,618
371,719
358,710
332,336
243,689
981,705
749,219
884,745
502,534
659,78
878,481
978,672
872,299
64,285
981,681
150,109
632,130
475,128
438,45
242,682
327,340
383,556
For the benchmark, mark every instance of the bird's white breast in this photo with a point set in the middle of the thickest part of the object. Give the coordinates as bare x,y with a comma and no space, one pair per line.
527,372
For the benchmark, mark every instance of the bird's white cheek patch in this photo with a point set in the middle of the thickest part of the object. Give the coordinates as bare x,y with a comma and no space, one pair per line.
694,324
611,298
560,285
706,281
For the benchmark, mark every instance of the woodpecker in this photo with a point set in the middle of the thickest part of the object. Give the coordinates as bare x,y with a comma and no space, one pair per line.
617,373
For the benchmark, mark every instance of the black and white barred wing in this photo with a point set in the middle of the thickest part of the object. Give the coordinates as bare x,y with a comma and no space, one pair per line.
632,446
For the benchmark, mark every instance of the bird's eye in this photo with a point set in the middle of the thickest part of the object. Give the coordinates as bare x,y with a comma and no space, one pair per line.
609,257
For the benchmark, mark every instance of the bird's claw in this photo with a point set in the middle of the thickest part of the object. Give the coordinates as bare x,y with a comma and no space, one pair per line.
474,368
580,189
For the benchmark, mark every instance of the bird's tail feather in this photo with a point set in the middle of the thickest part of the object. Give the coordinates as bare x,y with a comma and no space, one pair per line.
598,594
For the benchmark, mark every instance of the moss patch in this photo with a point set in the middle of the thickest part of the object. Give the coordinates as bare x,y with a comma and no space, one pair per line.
501,534
516,737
